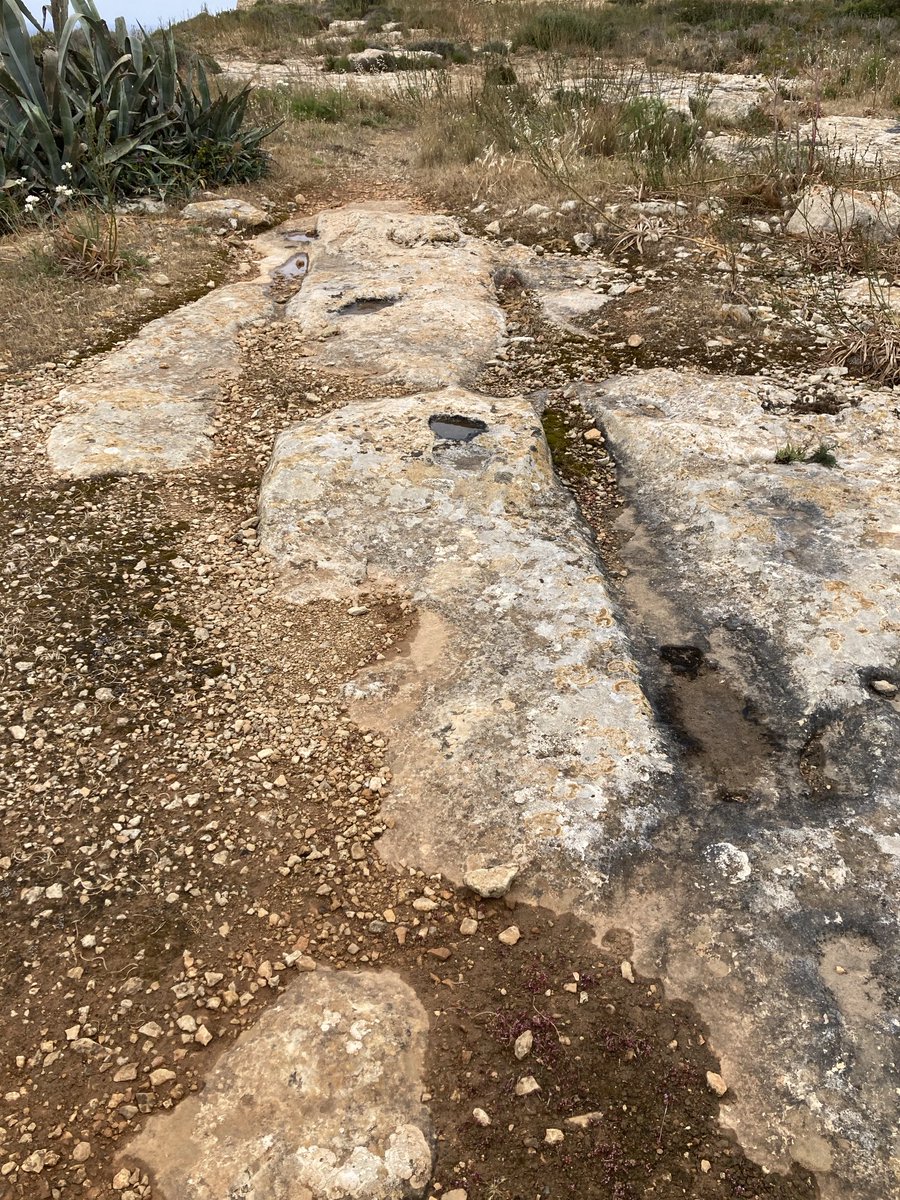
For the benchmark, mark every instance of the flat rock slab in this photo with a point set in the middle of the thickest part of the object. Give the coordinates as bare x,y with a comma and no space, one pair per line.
865,142
518,726
148,406
806,555
130,430
319,1100
398,295
237,213
772,589
829,210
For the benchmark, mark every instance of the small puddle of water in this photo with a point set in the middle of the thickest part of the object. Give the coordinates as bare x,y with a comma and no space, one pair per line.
375,304
295,268
449,428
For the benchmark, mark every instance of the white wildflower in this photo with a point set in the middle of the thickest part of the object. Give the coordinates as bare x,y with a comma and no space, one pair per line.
31,202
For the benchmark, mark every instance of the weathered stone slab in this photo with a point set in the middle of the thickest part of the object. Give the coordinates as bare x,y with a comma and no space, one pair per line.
128,431
147,406
783,579
518,725
830,210
805,554
319,1099
238,213
864,142
398,295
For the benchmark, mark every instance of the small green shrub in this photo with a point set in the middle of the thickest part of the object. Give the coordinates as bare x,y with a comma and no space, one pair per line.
567,30
789,453
823,454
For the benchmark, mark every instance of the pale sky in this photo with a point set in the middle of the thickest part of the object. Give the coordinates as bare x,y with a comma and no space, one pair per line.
152,13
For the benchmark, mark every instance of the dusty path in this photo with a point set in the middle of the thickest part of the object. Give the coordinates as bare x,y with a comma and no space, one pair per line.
287,664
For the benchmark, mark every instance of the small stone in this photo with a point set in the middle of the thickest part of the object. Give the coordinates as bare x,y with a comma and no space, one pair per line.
161,1076
467,926
716,1083
635,340
54,891
160,280
523,1044
883,687
81,1152
305,963
121,1180
592,435
491,882
627,972
17,732
553,1137
705,1165
509,936
526,1085
455,1194
584,1120
481,1116
203,1036
151,1030
126,1074
839,970
423,904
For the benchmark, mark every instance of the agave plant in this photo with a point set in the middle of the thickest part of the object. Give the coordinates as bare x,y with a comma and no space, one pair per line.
110,111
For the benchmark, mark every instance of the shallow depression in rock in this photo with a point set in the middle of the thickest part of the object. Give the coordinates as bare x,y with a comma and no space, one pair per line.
454,428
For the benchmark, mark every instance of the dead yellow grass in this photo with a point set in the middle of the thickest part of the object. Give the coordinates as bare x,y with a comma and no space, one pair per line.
52,315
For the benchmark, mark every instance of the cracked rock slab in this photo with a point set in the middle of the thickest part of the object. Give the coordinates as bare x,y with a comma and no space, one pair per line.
320,1098
398,295
519,728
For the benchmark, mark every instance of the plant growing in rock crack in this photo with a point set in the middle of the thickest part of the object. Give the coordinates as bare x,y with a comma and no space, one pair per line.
790,452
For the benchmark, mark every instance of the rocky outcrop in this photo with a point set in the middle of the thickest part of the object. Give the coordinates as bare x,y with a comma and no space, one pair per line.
388,294
519,724
236,213
828,210
149,405
397,295
770,589
319,1099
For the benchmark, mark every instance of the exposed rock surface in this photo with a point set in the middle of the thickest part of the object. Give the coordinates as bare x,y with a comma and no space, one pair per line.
388,293
130,430
321,1098
822,210
775,588
400,295
149,405
862,141
517,715
238,213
